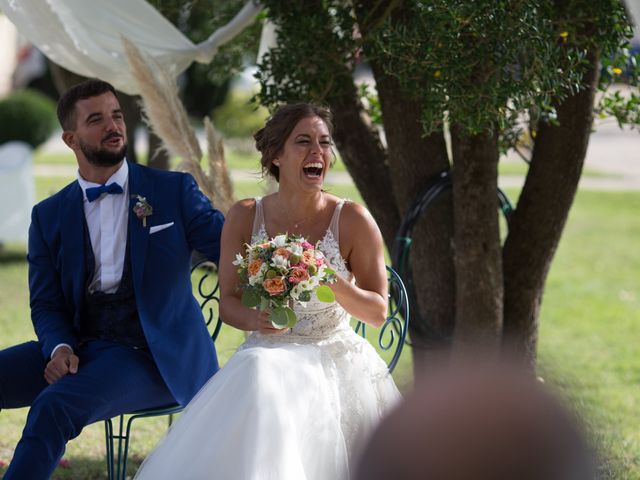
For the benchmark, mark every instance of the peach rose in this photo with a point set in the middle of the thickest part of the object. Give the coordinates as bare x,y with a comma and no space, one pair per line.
254,267
308,258
274,286
283,252
297,275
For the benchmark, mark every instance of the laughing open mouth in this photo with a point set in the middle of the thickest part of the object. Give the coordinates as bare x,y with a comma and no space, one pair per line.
313,170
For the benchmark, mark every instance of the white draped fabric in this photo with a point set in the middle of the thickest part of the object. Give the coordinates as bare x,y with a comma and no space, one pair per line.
84,36
17,191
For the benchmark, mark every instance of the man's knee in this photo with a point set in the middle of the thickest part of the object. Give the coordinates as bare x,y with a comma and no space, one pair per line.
60,411
21,375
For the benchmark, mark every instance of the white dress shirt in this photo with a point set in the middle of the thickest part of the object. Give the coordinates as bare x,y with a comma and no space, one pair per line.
107,223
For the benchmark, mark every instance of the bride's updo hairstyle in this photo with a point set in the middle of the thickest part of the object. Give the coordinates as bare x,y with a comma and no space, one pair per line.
271,138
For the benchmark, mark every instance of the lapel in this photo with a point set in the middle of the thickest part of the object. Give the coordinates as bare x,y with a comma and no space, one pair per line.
139,184
72,240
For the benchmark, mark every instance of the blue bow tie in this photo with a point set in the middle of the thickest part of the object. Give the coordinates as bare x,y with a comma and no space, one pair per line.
94,193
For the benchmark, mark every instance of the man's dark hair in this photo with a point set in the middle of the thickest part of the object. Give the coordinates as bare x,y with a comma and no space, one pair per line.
67,103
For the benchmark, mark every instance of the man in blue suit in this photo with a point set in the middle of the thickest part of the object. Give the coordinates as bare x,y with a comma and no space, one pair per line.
109,277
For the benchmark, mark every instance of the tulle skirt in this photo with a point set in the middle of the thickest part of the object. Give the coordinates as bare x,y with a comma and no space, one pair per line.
282,408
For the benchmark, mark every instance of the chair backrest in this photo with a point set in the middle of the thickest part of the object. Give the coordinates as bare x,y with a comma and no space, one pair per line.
390,338
392,335
204,277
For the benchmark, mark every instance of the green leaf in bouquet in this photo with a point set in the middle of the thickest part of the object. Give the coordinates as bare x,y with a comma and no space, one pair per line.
329,272
264,304
250,298
325,294
279,317
305,296
291,317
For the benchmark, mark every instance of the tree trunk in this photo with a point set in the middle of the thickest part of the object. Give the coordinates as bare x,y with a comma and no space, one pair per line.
477,255
365,159
541,214
414,161
157,157
62,78
132,116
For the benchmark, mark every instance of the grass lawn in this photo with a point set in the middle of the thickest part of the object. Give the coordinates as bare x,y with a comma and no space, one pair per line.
236,160
589,322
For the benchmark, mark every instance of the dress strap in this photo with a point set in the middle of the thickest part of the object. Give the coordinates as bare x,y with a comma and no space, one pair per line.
258,220
335,221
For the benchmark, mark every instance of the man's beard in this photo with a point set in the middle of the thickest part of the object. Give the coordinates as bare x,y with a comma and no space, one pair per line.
101,157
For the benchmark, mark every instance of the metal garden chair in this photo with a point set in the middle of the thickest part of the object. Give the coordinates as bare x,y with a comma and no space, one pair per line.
209,293
391,339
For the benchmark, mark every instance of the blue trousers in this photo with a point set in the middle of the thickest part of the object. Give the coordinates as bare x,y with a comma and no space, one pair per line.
112,379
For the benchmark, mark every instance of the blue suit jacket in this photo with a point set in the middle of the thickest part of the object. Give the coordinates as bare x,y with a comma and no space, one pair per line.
160,262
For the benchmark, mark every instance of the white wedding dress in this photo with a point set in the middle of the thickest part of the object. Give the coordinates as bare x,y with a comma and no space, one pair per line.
296,406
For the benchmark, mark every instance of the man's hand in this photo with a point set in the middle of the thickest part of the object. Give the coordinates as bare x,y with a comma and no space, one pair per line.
64,361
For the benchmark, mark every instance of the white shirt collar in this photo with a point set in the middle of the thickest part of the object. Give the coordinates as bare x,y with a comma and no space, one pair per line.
120,177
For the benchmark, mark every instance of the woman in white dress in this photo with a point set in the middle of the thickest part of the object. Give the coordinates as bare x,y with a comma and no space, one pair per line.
291,404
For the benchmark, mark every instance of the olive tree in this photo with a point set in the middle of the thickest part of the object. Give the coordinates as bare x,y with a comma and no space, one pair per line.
486,73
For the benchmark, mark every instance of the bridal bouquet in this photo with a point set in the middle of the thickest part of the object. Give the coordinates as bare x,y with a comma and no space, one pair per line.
281,270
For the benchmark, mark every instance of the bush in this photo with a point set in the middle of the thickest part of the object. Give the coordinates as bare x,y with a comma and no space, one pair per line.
238,116
27,116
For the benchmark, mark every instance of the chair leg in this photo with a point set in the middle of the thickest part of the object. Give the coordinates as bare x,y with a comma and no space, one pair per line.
120,474
115,470
108,430
125,458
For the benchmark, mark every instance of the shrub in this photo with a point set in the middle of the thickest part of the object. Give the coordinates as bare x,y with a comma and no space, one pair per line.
27,116
238,116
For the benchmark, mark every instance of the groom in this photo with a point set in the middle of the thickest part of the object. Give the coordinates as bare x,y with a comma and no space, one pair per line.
109,276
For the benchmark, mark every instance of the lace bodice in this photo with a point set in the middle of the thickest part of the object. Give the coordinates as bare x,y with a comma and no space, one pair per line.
317,319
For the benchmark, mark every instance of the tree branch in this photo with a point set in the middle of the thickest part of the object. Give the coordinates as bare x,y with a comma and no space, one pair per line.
541,214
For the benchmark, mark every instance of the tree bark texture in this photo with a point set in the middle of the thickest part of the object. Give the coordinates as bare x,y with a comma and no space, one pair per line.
365,159
157,157
415,160
132,116
543,207
477,251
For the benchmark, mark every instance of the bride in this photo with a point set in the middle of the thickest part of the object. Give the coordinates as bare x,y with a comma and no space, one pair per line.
291,404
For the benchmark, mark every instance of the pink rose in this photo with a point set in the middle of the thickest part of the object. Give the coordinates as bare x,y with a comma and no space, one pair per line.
297,275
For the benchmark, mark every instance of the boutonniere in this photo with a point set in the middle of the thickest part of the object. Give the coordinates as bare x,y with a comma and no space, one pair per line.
142,209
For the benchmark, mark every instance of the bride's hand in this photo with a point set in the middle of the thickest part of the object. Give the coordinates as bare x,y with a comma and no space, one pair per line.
264,325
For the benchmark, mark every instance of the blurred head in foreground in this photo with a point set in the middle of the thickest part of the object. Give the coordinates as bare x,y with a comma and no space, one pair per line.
478,424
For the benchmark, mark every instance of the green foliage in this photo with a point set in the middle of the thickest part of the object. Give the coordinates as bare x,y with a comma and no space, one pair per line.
28,116
620,66
315,53
239,116
481,65
482,62
205,86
